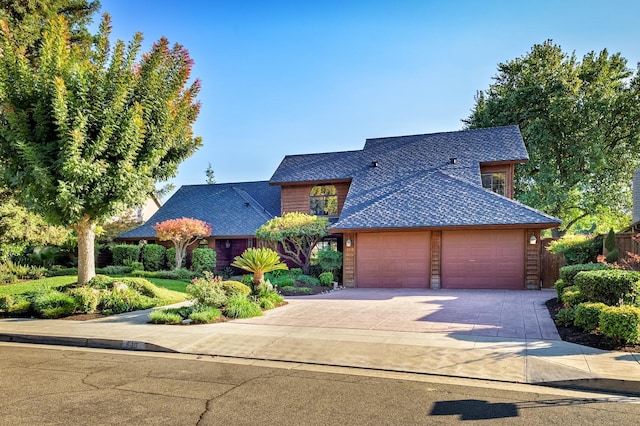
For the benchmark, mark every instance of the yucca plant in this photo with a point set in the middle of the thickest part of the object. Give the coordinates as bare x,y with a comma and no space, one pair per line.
259,261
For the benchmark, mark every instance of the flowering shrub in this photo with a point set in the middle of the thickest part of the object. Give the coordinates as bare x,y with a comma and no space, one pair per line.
207,291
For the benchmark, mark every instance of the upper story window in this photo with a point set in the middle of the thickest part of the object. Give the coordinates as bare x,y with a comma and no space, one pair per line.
323,200
494,181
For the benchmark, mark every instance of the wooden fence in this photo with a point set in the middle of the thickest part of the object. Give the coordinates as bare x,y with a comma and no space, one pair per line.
550,264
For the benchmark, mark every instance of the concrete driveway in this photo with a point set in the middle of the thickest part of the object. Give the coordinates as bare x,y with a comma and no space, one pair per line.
497,313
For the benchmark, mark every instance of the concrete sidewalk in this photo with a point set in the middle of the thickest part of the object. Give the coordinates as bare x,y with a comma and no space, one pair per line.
454,352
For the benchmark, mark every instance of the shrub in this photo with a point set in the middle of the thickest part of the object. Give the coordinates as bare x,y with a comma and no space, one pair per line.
577,249
247,279
165,316
609,287
175,274
306,279
203,259
621,323
568,273
205,316
330,260
118,301
326,278
560,285
140,285
8,278
235,287
6,300
21,305
291,288
269,299
587,315
294,272
123,252
64,271
135,266
114,270
86,298
284,281
171,258
239,306
571,295
53,304
566,316
612,256
100,282
153,257
207,291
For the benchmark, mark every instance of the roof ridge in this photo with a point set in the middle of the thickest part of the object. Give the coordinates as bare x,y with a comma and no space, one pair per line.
445,133
259,208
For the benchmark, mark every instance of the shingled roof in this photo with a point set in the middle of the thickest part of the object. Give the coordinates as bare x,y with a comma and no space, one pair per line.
233,209
415,184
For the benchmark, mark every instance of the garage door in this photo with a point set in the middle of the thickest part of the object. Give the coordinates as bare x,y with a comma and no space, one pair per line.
393,259
483,259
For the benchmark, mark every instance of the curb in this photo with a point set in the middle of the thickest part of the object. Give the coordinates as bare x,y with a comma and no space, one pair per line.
129,345
597,384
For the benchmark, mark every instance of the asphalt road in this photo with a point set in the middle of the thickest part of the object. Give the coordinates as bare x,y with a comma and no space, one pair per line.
69,386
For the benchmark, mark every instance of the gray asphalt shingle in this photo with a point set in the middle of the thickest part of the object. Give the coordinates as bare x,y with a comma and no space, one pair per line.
233,209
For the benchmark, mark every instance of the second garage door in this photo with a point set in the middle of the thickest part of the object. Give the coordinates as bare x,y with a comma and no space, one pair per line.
483,259
393,259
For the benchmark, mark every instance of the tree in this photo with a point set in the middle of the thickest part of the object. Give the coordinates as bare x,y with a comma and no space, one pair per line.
28,18
211,177
87,131
182,232
20,228
259,261
580,121
294,235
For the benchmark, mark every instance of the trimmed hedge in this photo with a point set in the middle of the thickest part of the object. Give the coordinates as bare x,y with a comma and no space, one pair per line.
153,257
621,323
122,252
203,259
568,273
572,295
609,287
587,315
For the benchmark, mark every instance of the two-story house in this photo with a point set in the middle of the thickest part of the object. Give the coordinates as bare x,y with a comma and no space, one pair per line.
423,211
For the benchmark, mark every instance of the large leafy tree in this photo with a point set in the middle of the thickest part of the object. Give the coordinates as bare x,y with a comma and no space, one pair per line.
87,129
580,121
294,235
27,18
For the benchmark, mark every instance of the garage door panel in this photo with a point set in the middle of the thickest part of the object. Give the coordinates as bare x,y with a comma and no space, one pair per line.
483,259
393,259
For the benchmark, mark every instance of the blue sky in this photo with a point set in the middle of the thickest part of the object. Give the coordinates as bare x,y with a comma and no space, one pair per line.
295,77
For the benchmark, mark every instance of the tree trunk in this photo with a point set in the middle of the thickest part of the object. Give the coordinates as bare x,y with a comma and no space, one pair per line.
258,278
86,250
180,253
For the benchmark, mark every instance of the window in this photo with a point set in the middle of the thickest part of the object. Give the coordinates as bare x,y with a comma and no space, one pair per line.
323,200
494,181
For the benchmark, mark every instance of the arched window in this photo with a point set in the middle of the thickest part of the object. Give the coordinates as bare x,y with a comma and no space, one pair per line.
323,200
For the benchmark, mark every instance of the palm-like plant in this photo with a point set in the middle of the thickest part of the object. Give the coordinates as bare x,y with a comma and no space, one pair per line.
259,261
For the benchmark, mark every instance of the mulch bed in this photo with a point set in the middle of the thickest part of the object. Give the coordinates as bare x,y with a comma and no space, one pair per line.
577,335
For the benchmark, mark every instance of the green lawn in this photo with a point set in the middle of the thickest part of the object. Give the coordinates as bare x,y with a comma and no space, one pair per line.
27,286
174,285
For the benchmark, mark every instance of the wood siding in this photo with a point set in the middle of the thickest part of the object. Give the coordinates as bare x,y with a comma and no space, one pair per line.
436,250
508,170
349,261
295,198
532,261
